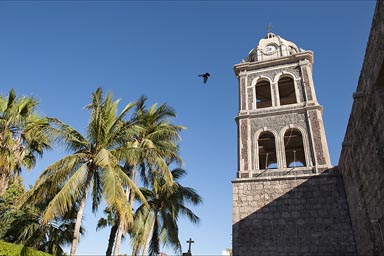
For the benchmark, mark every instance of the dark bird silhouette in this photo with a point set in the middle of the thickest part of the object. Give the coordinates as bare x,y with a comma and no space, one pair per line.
205,76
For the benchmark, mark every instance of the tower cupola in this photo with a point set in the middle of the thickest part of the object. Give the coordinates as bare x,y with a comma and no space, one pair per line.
271,47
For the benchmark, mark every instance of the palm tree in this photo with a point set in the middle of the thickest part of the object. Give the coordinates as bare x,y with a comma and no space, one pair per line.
141,231
23,225
110,221
26,228
154,145
23,136
157,221
92,167
158,137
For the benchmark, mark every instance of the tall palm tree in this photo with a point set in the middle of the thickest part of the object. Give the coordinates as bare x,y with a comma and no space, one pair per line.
154,146
156,222
92,167
23,136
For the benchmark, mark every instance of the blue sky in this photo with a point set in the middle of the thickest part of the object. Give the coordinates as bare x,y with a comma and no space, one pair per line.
62,51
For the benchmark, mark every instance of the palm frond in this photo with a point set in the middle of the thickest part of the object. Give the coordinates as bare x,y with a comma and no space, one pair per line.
67,196
97,191
101,223
115,196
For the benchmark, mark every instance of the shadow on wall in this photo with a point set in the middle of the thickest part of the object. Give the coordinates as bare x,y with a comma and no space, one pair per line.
310,219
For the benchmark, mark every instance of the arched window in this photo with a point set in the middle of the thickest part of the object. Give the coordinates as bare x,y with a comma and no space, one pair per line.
287,90
263,94
294,148
267,151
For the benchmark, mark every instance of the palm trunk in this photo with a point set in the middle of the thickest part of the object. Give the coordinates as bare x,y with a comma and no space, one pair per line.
155,235
76,232
111,240
130,197
118,239
148,239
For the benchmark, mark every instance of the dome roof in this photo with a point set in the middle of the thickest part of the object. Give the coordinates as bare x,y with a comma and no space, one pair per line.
272,46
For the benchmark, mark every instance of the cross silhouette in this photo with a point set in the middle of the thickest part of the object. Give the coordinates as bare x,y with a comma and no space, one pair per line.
190,242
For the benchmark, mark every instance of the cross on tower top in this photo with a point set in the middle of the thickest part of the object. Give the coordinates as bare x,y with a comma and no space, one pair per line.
269,28
190,241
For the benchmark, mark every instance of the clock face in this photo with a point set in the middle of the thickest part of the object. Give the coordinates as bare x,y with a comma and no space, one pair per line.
269,49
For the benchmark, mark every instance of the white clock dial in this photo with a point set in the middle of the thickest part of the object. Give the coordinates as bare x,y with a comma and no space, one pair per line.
269,49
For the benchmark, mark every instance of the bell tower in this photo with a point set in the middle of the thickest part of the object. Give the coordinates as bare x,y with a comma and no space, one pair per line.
287,199
280,126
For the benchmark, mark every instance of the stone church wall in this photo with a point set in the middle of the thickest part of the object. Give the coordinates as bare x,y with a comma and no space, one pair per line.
303,215
362,158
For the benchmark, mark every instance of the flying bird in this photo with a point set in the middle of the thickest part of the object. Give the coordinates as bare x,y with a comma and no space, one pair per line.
205,76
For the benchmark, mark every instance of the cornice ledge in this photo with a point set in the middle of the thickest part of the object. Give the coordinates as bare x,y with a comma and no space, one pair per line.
263,113
306,55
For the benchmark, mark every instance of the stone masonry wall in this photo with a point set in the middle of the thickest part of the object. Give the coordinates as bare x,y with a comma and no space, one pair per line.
291,216
362,157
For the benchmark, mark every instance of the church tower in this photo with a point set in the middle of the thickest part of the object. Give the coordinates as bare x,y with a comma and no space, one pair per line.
284,168
280,120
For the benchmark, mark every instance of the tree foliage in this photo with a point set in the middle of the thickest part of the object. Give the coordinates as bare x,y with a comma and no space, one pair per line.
8,209
23,225
24,136
156,222
92,166
11,249
106,163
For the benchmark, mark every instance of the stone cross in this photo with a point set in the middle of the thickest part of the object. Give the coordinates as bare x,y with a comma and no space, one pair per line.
190,242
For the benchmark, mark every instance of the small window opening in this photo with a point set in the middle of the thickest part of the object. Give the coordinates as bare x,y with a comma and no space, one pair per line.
287,91
294,148
263,94
267,151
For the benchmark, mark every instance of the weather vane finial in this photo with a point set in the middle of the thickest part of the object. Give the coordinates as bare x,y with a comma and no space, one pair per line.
269,28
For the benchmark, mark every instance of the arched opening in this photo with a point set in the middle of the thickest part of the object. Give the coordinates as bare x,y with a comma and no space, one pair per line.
287,90
294,148
267,151
263,94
